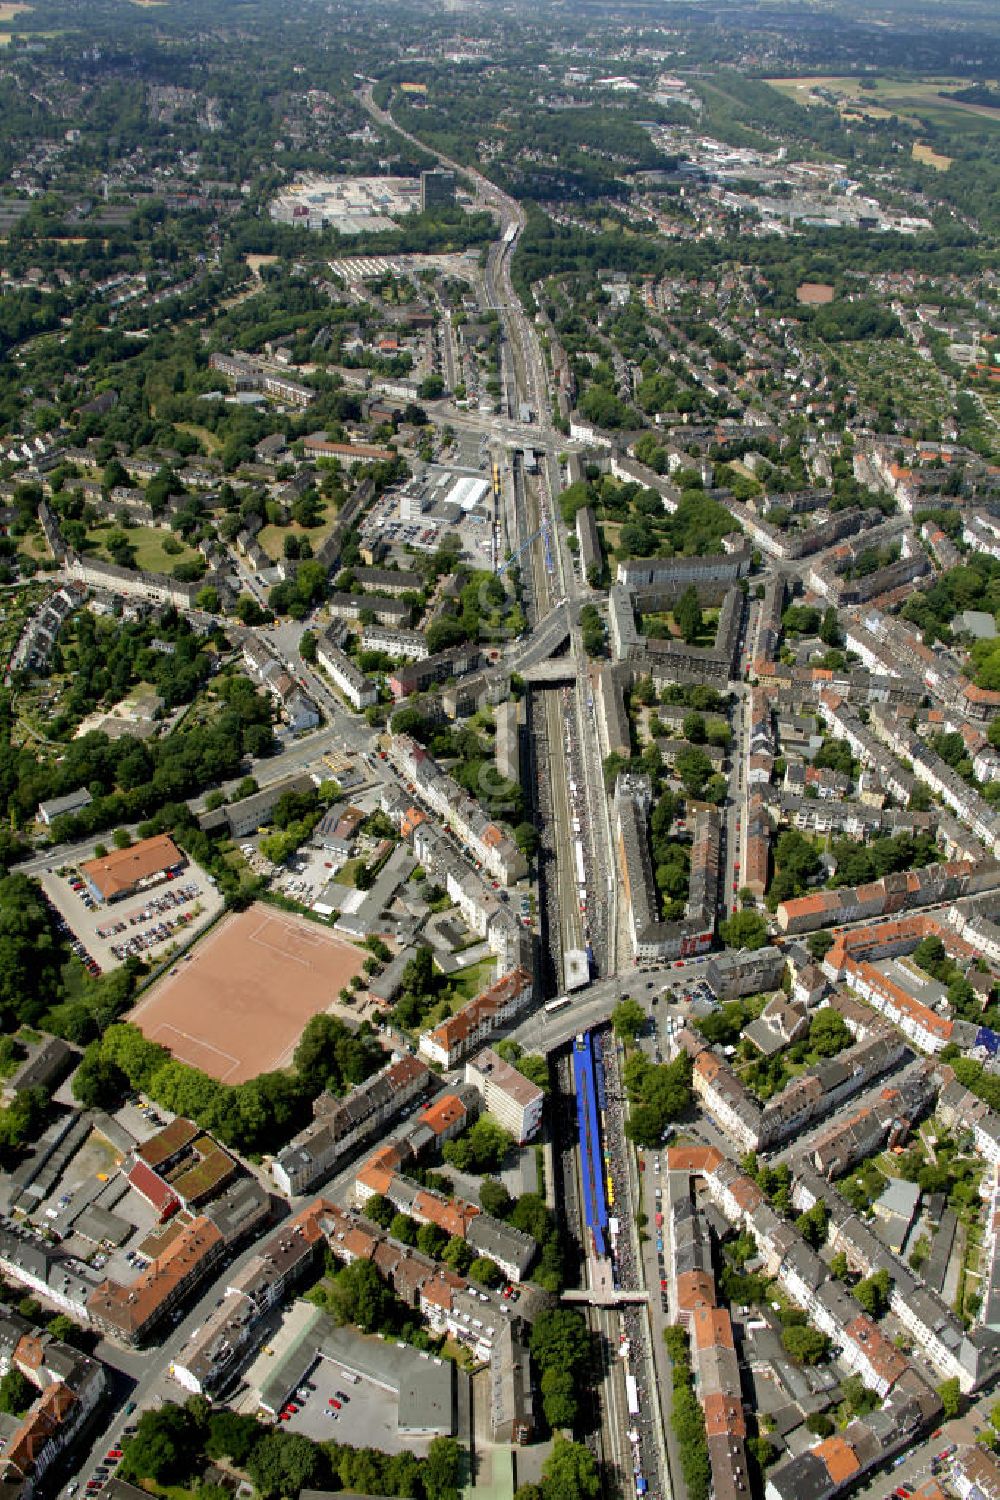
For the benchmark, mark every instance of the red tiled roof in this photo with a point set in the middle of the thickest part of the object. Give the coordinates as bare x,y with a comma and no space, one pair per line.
157,1192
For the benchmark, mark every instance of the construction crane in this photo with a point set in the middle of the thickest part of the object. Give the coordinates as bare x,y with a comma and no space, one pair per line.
543,531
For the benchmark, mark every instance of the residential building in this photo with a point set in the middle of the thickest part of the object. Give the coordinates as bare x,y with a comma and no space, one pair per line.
488,841
129,1314
69,1384
359,690
453,1040
342,1125
214,1349
514,1101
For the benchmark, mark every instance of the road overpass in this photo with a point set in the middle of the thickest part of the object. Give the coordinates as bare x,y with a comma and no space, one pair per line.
552,672
548,635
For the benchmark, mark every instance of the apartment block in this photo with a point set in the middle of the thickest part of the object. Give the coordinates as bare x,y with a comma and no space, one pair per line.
513,1100
464,1032
341,1125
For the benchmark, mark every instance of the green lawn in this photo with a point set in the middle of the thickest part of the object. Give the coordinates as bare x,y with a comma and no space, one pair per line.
272,538
473,980
151,556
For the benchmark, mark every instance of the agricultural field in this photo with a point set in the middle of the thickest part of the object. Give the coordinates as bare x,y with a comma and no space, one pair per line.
931,158
927,100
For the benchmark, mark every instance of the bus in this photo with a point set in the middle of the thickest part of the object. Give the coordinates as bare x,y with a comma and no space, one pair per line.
559,1003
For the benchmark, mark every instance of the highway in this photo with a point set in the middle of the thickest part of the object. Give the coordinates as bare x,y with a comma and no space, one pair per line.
565,754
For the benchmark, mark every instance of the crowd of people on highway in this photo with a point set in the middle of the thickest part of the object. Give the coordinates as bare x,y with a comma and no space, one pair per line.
635,1340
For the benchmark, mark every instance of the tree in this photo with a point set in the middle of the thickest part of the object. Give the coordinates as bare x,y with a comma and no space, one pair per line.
744,929
694,769
858,1399
16,1393
526,839
64,1329
308,646
658,1093
806,1345
231,1436
829,1033
379,1210
819,945
951,1397
628,1019
164,1448
457,1254
560,1340
99,1084
403,1229
482,1148
441,1470
431,1239
839,1266
359,1295
430,388
873,1294
559,1400
812,1225
284,1463
829,631
485,1271
494,1198
687,613
693,728
570,1472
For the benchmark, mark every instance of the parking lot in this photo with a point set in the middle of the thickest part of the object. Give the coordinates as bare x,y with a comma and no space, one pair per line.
147,925
367,1418
98,1477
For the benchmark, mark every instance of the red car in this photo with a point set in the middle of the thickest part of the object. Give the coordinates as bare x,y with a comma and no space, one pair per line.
334,1403
114,1453
659,1221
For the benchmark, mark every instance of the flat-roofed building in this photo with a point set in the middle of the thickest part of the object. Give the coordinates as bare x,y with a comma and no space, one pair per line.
508,742
512,1410
359,690
589,541
511,1098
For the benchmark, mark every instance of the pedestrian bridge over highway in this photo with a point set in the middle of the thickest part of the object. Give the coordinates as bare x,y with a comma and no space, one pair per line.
598,1297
